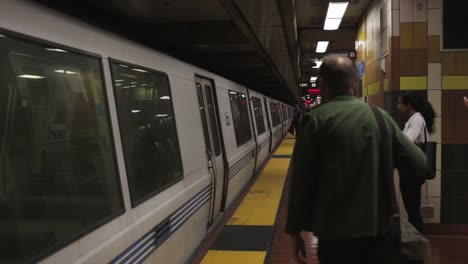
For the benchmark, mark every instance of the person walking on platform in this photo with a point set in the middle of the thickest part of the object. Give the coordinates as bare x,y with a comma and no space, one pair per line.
296,119
337,188
421,116
465,101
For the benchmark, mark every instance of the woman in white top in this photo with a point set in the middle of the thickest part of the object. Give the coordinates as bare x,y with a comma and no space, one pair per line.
420,123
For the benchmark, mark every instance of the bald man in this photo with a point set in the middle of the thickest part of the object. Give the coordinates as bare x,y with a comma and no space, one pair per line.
337,186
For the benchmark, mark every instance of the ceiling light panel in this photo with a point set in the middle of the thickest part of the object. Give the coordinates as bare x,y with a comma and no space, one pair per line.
337,9
332,23
335,13
322,46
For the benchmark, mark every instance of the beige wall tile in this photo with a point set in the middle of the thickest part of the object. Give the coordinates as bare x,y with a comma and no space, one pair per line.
436,136
435,22
406,11
424,193
435,98
434,76
395,4
436,203
435,4
396,23
439,157
434,188
420,10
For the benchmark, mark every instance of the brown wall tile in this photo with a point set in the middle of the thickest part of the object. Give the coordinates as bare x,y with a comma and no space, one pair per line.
406,62
448,106
372,72
406,35
377,99
448,130
448,63
420,62
433,49
395,78
420,35
461,63
461,131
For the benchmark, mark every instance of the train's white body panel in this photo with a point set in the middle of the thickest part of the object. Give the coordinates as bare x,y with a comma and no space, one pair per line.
112,239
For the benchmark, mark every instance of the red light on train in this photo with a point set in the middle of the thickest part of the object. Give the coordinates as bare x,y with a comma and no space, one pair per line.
308,102
314,91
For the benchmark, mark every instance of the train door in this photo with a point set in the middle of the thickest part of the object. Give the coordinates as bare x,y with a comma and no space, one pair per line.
214,153
267,116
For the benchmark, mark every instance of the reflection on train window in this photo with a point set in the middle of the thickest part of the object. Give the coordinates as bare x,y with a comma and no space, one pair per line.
148,130
258,113
58,176
275,115
240,117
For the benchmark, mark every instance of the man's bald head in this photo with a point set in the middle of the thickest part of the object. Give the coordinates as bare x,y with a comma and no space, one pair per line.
337,73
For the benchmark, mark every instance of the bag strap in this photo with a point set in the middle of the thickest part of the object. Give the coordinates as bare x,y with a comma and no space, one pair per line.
386,161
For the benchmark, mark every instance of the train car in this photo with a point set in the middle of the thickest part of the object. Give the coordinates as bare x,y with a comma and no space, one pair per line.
261,127
275,120
111,152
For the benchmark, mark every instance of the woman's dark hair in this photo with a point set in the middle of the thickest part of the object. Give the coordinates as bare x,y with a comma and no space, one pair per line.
421,105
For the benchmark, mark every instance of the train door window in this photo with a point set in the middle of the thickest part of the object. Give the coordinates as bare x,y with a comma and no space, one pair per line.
58,174
240,117
275,118
258,113
148,130
213,122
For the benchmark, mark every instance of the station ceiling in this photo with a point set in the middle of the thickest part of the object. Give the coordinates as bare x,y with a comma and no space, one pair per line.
266,45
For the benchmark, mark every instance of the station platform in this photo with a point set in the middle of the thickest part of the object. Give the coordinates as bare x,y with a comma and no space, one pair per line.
253,232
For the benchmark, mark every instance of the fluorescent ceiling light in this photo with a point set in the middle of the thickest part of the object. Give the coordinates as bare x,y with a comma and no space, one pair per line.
118,80
29,76
322,46
318,64
2,36
313,79
162,115
125,66
67,72
165,98
139,70
136,111
232,92
57,50
335,13
337,9
332,23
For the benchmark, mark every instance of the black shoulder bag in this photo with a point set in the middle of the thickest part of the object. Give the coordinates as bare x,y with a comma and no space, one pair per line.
413,245
430,149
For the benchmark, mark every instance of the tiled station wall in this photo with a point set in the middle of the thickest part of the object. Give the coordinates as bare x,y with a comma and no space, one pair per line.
416,61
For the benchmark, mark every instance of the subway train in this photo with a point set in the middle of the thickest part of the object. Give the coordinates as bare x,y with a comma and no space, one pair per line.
111,152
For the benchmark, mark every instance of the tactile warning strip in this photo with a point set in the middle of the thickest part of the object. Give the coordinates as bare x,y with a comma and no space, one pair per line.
244,238
248,235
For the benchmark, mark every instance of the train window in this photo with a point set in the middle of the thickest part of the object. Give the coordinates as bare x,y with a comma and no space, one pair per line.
58,174
258,113
148,130
275,116
240,117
